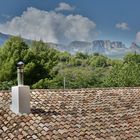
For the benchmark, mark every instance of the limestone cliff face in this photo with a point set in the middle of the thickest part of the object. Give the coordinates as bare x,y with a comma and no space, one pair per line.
135,47
105,47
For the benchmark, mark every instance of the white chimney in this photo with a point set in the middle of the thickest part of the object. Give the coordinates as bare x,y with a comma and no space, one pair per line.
21,93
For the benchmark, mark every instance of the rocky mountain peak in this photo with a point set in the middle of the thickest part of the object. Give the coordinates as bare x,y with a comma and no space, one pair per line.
105,47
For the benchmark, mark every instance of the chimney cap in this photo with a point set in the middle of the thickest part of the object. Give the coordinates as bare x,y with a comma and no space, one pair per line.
20,64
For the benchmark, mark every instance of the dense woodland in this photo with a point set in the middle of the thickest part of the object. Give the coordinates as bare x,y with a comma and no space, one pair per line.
46,67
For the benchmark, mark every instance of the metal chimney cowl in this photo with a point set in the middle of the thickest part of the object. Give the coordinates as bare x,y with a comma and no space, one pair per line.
21,93
20,73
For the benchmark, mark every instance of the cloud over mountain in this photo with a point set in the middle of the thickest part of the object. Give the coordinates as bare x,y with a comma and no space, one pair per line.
122,26
50,26
138,37
64,7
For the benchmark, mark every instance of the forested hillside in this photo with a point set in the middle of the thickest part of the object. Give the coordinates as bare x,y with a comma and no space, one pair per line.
46,67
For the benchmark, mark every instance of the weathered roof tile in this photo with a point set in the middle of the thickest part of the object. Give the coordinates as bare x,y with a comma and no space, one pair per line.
98,114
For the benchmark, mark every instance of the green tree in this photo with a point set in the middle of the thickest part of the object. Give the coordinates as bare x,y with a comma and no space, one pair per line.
132,58
98,61
40,61
124,75
10,53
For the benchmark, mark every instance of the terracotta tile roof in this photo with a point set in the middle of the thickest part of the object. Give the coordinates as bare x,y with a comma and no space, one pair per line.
92,114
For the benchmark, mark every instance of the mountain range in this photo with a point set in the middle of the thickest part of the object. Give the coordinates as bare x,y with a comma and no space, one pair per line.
3,38
115,49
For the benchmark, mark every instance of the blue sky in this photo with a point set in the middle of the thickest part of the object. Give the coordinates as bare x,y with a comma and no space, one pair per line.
98,19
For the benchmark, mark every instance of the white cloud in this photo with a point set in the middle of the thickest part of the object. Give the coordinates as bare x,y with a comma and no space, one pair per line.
122,26
54,27
64,7
137,37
